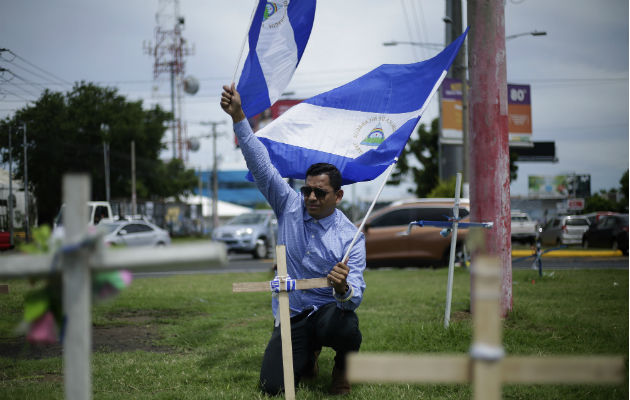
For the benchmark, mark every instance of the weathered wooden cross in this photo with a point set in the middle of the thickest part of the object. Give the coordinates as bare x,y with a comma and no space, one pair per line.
486,366
283,284
79,256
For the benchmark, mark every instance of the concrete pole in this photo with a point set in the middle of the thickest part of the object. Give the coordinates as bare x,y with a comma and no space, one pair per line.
10,199
215,179
174,133
134,207
27,229
489,153
459,73
105,131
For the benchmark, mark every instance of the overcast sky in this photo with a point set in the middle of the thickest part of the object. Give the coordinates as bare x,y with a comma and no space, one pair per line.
578,73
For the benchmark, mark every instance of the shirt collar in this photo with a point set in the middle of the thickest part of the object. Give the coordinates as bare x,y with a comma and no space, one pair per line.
324,222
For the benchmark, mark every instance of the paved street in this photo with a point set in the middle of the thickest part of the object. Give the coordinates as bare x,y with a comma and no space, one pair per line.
245,263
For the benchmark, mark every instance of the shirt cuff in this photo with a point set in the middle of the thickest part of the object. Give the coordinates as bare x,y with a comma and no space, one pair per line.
344,297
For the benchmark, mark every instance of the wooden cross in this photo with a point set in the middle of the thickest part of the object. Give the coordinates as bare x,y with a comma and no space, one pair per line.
486,366
78,258
283,309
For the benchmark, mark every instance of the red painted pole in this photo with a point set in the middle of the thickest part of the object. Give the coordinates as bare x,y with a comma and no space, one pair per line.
488,141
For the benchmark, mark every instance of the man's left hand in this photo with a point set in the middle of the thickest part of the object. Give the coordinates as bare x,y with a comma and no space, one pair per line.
337,277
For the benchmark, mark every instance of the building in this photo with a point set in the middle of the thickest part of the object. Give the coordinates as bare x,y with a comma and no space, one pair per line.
233,188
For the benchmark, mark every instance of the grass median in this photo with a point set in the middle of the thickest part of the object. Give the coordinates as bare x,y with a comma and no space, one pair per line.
190,337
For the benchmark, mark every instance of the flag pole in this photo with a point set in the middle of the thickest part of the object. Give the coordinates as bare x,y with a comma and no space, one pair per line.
240,53
356,235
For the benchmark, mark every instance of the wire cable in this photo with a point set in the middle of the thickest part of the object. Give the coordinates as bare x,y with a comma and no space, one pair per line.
33,65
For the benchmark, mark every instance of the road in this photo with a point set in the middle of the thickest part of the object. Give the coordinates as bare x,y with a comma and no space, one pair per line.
245,263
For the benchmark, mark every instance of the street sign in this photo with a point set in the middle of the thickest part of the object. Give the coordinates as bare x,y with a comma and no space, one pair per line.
575,204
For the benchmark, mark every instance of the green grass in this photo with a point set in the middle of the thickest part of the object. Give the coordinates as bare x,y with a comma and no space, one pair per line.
208,342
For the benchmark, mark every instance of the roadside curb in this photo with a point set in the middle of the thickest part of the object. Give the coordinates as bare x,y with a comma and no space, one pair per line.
570,253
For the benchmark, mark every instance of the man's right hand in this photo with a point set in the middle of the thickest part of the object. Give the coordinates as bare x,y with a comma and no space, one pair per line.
231,103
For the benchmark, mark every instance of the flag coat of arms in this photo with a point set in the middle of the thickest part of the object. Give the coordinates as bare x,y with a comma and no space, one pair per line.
277,38
360,127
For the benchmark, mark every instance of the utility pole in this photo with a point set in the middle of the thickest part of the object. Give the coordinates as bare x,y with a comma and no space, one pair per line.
215,179
10,200
459,73
134,209
26,197
105,131
489,151
452,156
200,204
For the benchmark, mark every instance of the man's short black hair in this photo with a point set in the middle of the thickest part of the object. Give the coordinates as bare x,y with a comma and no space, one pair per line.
328,169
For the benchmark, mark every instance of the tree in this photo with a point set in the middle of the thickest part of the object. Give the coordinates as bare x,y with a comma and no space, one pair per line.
608,200
67,133
624,187
425,150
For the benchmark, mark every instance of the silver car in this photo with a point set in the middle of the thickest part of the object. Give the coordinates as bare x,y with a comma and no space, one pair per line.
252,233
134,233
567,229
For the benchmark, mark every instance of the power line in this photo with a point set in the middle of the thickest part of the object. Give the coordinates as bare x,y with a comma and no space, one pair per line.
12,94
32,65
34,74
411,38
420,28
34,85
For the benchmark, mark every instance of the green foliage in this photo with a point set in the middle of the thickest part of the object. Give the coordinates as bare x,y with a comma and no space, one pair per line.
599,202
40,243
425,150
444,188
513,166
607,200
624,188
65,133
190,337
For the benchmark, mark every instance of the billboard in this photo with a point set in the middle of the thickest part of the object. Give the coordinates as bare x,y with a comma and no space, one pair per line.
519,113
559,186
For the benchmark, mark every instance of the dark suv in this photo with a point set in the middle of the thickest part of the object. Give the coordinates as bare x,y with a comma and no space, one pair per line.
611,231
386,243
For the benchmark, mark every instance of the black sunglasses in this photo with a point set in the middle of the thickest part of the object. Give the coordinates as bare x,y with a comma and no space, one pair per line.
319,193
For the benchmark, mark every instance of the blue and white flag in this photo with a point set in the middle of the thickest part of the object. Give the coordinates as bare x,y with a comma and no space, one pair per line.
277,38
360,127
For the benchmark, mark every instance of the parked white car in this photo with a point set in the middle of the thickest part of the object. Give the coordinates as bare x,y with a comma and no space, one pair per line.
567,229
134,233
524,229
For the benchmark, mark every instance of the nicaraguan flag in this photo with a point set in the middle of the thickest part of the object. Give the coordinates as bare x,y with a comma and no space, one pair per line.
277,37
360,127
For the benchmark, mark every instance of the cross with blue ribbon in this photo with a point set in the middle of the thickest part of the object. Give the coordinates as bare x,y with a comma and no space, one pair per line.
281,285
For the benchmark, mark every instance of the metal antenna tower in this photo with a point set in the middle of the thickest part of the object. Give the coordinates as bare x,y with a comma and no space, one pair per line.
169,51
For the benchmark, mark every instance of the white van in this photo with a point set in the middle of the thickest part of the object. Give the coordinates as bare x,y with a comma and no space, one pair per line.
97,211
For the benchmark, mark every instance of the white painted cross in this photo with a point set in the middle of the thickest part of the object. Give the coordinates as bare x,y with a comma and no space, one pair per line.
283,309
80,256
451,227
486,366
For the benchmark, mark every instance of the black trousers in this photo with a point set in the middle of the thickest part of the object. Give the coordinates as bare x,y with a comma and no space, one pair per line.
329,326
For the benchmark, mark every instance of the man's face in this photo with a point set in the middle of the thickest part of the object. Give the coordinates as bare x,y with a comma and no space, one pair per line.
319,204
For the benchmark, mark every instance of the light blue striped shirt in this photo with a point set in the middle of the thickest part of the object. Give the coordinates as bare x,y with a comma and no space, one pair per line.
313,246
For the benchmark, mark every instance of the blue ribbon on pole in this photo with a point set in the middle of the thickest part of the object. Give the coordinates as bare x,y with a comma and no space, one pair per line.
284,283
